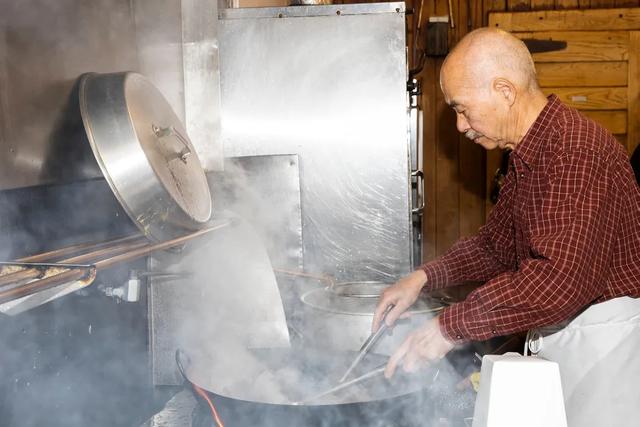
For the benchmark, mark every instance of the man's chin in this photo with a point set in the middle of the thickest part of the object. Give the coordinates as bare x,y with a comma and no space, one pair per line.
486,143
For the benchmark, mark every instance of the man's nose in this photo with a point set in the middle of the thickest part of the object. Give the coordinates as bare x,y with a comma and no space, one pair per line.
461,123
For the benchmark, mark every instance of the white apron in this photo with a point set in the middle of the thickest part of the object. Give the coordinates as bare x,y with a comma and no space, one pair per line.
599,357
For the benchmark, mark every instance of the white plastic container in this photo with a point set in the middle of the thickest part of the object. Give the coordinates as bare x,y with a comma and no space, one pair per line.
523,391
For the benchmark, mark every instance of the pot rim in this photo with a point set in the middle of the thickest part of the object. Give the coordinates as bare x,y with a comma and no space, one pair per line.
337,298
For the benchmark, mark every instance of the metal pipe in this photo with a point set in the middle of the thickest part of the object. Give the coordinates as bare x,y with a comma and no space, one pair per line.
46,256
76,274
117,246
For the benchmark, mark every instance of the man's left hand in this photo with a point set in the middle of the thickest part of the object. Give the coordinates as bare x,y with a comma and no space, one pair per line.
423,346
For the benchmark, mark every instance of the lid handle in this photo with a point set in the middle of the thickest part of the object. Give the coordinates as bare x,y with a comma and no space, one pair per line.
185,151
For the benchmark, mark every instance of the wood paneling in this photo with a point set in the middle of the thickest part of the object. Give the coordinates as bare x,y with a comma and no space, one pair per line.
567,4
583,45
592,98
471,194
575,74
428,103
602,3
518,5
622,139
571,20
633,133
614,121
542,4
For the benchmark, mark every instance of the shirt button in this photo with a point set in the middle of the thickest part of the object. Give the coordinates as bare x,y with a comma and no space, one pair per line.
459,337
521,174
494,332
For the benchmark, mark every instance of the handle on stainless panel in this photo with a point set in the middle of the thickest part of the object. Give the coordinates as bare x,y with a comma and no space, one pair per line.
419,175
169,131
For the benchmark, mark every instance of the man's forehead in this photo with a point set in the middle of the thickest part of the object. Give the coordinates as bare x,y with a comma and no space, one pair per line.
458,93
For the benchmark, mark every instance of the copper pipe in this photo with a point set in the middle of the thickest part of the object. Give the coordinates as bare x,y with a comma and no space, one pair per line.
46,256
126,244
76,274
41,285
19,276
129,256
109,251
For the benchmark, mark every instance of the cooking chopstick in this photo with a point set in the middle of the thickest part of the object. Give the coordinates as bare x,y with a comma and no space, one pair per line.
368,375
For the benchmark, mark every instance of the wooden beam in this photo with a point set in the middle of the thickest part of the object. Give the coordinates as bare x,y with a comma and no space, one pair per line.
542,4
447,176
518,5
633,96
567,4
591,98
490,6
582,45
429,163
627,3
614,121
602,3
568,20
581,74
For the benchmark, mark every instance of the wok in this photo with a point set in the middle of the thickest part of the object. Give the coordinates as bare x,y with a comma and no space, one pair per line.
405,400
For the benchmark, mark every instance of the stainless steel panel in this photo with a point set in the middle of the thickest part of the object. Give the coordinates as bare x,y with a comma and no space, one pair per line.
332,89
159,47
46,45
202,79
265,191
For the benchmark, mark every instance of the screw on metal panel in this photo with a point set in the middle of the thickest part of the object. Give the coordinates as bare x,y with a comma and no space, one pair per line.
397,10
280,15
338,12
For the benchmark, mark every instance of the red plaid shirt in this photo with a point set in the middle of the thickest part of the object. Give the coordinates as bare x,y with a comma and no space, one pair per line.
565,233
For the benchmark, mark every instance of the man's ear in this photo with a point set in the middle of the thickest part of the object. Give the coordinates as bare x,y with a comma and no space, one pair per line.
505,89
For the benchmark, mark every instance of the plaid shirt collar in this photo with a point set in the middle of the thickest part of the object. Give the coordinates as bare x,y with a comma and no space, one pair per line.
540,132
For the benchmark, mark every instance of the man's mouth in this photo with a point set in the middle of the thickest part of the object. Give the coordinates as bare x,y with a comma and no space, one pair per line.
474,136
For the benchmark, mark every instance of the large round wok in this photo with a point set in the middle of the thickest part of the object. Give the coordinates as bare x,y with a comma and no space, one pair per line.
405,400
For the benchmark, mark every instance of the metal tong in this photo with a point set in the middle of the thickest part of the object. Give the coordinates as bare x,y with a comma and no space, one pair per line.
373,338
377,371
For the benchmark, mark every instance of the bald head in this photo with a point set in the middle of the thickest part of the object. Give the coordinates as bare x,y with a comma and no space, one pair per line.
488,53
489,79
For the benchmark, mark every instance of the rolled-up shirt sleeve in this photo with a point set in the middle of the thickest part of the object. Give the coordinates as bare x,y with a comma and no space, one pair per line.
481,257
571,241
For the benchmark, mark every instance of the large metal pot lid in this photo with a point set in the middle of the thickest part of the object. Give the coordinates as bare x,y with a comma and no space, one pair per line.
360,298
145,154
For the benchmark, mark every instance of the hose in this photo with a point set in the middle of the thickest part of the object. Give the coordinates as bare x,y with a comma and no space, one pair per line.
199,391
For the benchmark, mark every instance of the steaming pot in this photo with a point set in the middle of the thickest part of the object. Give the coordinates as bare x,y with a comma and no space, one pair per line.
339,317
412,400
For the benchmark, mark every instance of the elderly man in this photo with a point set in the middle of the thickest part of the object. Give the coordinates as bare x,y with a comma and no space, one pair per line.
560,249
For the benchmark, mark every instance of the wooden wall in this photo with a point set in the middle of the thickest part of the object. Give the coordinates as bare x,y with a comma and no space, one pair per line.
458,173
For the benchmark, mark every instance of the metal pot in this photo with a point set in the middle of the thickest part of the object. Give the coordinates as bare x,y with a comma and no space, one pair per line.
406,400
145,154
339,317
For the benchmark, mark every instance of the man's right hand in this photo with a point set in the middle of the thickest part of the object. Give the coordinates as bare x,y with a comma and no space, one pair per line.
402,295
